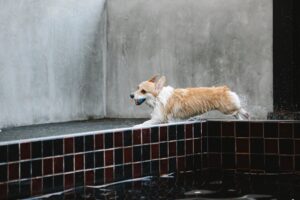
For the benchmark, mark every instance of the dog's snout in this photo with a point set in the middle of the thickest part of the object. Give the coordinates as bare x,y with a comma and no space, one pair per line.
131,96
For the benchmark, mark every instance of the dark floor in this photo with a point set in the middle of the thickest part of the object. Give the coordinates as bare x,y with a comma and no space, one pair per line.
43,130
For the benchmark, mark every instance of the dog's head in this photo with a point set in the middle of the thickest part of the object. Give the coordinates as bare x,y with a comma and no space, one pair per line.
148,90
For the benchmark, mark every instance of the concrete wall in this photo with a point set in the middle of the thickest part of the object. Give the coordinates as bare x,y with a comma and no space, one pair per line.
52,58
193,43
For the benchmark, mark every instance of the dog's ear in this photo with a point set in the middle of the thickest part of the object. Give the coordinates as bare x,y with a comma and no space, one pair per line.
160,83
154,78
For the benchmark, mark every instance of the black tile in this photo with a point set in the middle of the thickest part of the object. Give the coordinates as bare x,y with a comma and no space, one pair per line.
128,171
36,149
256,129
68,163
272,163
197,162
172,132
58,182
154,134
155,167
137,153
146,168
172,165
197,130
47,184
89,160
47,148
78,144
214,144
58,147
127,138
242,129
286,146
180,132
257,146
297,163
118,156
79,179
204,145
25,189
3,154
228,161
119,172
213,128
271,129
14,190
146,152
189,163
99,176
296,130
36,168
228,145
163,150
13,152
286,130
3,173
89,143
99,161
180,148
228,128
257,162
26,169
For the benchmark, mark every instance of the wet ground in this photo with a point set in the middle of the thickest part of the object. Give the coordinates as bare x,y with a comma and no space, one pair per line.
194,186
54,129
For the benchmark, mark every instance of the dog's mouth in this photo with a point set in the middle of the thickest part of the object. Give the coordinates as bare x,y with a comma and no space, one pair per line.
139,101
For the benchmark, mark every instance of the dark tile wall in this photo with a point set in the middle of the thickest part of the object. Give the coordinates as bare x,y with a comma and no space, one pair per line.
39,167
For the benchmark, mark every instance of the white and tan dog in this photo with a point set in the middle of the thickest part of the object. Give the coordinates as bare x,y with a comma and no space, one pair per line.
171,104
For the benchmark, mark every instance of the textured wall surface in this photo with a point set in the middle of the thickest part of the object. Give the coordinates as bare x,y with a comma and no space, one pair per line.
51,60
193,43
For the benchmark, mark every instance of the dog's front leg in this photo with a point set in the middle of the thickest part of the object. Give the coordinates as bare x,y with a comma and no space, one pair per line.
148,123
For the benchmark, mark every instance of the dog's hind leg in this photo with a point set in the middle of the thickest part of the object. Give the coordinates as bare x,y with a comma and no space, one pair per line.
242,114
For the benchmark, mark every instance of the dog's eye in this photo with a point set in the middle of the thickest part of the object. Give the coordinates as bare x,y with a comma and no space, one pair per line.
143,91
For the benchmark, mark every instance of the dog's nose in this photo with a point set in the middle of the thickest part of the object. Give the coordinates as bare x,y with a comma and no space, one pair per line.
131,96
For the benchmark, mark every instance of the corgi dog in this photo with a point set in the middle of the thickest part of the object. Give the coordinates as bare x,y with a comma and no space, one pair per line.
170,104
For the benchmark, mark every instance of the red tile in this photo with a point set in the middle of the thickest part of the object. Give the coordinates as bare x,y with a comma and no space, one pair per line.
285,130
36,186
137,136
172,149
154,151
78,161
146,135
13,171
118,139
58,165
242,145
271,146
99,141
287,163
188,131
69,145
109,157
127,155
69,181
242,161
163,133
189,146
89,177
47,166
181,163
163,166
109,176
137,170
4,190
25,151
197,146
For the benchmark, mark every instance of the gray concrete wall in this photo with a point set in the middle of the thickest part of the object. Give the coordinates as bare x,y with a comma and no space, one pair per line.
52,60
193,43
